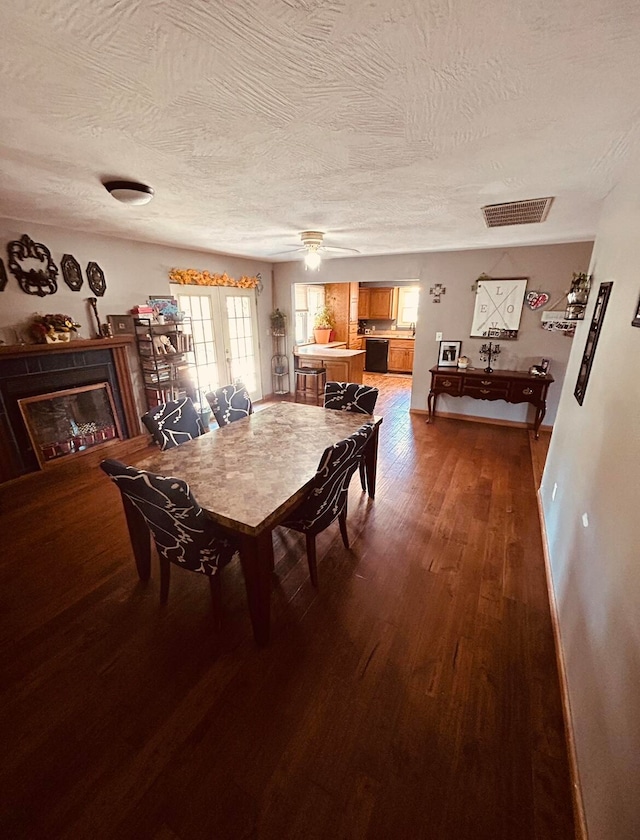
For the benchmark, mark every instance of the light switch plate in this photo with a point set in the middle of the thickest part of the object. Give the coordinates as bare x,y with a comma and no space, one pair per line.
438,336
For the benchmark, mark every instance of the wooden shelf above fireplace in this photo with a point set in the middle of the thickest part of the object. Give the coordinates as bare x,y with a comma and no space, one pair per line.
17,350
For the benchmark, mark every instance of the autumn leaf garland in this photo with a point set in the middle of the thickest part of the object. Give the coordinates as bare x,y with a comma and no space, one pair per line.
192,277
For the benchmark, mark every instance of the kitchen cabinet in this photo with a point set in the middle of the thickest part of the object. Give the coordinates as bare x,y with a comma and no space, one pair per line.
343,300
342,365
400,358
364,298
381,303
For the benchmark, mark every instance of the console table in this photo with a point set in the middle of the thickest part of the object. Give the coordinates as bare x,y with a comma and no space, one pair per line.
512,386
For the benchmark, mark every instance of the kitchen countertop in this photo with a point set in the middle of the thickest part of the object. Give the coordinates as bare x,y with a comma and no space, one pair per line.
388,334
324,351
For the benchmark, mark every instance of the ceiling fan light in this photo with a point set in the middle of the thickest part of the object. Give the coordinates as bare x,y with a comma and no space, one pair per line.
312,260
130,192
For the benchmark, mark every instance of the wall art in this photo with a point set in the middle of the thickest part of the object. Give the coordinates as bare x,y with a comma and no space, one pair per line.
34,281
592,341
121,324
3,276
536,300
95,276
71,272
498,307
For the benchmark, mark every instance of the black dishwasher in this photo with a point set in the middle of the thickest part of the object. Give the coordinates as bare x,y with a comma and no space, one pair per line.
377,355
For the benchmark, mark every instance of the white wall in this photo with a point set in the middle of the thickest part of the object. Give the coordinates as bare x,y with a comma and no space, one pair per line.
133,271
594,459
549,268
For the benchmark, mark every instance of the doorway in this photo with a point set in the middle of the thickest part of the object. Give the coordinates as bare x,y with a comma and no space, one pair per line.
223,324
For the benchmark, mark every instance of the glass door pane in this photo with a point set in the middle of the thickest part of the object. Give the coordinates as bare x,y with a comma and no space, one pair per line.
224,327
241,343
206,374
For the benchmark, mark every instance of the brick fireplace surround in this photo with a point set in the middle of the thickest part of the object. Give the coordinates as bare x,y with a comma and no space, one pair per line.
32,369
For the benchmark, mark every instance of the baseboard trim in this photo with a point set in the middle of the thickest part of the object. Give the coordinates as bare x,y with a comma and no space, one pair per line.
576,790
490,421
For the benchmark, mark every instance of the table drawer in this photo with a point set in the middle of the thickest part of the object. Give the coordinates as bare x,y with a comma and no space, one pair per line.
526,391
486,392
444,384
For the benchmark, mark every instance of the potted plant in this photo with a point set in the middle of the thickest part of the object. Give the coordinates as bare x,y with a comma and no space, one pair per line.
324,321
277,322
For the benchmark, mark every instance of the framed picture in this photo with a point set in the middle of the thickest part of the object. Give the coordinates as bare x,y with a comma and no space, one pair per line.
121,324
449,353
636,317
498,308
592,341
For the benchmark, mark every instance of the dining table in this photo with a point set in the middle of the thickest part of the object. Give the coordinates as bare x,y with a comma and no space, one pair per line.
249,476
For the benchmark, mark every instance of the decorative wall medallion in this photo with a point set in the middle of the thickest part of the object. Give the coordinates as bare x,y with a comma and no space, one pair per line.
3,276
537,299
71,272
33,281
95,276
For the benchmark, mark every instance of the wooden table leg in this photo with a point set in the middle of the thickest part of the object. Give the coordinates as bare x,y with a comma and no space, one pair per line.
371,462
140,537
431,406
256,556
541,410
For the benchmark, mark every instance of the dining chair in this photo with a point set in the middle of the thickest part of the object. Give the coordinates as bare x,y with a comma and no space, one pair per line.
230,403
327,501
182,532
349,396
173,423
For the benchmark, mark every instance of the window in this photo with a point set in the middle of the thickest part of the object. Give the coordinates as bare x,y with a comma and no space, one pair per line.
408,297
308,299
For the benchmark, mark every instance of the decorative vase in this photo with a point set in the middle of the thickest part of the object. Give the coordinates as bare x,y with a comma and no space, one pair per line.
57,337
321,336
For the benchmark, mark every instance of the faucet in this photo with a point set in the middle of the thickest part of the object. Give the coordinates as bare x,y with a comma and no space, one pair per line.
412,327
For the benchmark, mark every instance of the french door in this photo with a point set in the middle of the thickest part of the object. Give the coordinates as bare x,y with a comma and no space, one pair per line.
224,328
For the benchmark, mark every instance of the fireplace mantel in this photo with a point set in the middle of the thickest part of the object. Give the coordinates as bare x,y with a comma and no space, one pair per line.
19,362
14,351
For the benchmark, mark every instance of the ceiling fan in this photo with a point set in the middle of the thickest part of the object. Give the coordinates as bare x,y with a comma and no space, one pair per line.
313,249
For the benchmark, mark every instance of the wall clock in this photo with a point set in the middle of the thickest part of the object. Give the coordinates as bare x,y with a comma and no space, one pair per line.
498,307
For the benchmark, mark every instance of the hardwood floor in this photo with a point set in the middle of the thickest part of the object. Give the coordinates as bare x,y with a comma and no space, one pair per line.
413,695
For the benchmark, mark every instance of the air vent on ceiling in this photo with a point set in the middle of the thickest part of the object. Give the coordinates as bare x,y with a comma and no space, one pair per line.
527,212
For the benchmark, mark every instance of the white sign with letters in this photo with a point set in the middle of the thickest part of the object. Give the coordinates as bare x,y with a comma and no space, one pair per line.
498,308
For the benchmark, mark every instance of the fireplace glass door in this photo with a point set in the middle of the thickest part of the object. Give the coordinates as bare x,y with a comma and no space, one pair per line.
74,420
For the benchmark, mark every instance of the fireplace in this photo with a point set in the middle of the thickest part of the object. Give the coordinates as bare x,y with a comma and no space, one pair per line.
28,373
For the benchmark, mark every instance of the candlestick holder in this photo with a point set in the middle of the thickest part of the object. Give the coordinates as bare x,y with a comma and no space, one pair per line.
488,352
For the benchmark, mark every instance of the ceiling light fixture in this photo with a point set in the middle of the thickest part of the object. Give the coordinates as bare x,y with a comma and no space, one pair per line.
129,192
312,241
312,260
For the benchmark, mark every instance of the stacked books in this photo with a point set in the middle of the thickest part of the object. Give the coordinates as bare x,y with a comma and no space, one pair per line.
142,310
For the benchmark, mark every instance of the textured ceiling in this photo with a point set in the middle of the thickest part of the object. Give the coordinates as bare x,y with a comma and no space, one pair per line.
385,123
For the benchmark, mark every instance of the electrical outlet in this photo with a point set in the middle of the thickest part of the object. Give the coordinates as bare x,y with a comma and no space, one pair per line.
438,336
585,520
554,491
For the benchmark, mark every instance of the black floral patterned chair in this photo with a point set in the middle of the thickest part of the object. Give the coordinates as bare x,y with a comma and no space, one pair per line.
173,423
230,403
182,532
328,499
348,396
